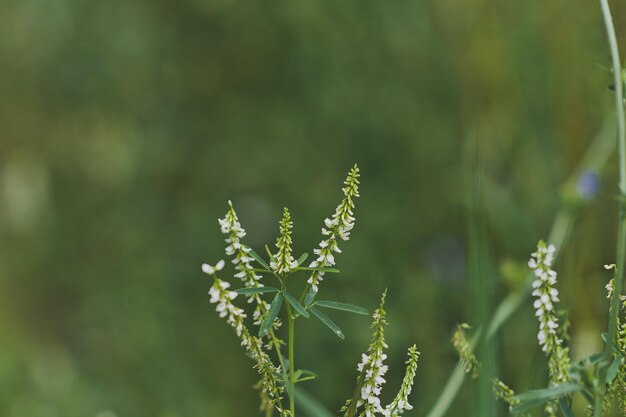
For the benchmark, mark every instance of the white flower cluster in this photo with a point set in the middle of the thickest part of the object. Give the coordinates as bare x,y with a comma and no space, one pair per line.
241,259
270,385
401,402
372,366
375,369
283,261
339,226
546,296
223,297
231,226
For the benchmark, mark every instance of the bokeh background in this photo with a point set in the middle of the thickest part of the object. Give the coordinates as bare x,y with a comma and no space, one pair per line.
126,126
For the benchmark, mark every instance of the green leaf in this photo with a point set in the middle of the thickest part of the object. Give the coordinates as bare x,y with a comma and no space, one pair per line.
296,304
310,406
310,296
319,269
302,375
257,290
343,307
272,314
258,258
612,371
328,322
565,408
595,357
302,258
269,253
534,398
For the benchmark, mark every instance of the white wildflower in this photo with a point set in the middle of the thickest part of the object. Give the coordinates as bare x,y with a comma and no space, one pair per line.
401,402
241,259
546,296
223,297
211,270
339,226
283,261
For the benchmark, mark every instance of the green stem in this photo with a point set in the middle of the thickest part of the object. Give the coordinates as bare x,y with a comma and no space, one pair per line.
291,363
597,407
277,348
621,237
351,412
621,137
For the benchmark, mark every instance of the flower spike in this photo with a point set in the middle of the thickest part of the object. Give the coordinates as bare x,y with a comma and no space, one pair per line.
546,298
339,226
401,402
283,260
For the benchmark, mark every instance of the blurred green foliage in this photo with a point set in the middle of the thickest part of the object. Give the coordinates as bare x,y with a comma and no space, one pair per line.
125,127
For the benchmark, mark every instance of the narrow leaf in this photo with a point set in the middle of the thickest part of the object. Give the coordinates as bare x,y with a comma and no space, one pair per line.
535,398
302,375
269,253
612,371
258,258
565,408
257,290
311,406
310,296
343,307
328,322
302,258
319,269
272,314
296,304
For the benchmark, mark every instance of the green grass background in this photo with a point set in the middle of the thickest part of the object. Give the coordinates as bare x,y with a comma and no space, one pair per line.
125,126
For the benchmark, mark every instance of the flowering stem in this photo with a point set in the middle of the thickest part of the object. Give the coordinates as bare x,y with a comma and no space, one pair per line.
277,348
291,363
357,392
621,238
621,135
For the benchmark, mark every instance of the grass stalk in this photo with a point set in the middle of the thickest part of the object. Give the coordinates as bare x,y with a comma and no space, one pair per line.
621,137
621,238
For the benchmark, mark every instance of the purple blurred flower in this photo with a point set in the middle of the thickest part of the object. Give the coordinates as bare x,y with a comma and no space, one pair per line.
588,184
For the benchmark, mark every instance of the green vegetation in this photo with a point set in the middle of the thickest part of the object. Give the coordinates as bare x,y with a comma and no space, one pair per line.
480,127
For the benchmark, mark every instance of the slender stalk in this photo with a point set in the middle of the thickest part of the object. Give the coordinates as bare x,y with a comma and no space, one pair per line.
277,348
292,378
357,392
597,407
621,237
621,138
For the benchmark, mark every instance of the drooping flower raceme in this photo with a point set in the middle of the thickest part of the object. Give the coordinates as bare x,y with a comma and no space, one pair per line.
339,226
468,359
241,259
283,260
401,402
546,298
221,295
240,253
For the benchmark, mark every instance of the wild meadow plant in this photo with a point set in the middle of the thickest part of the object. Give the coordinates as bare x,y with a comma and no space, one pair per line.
599,379
276,368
